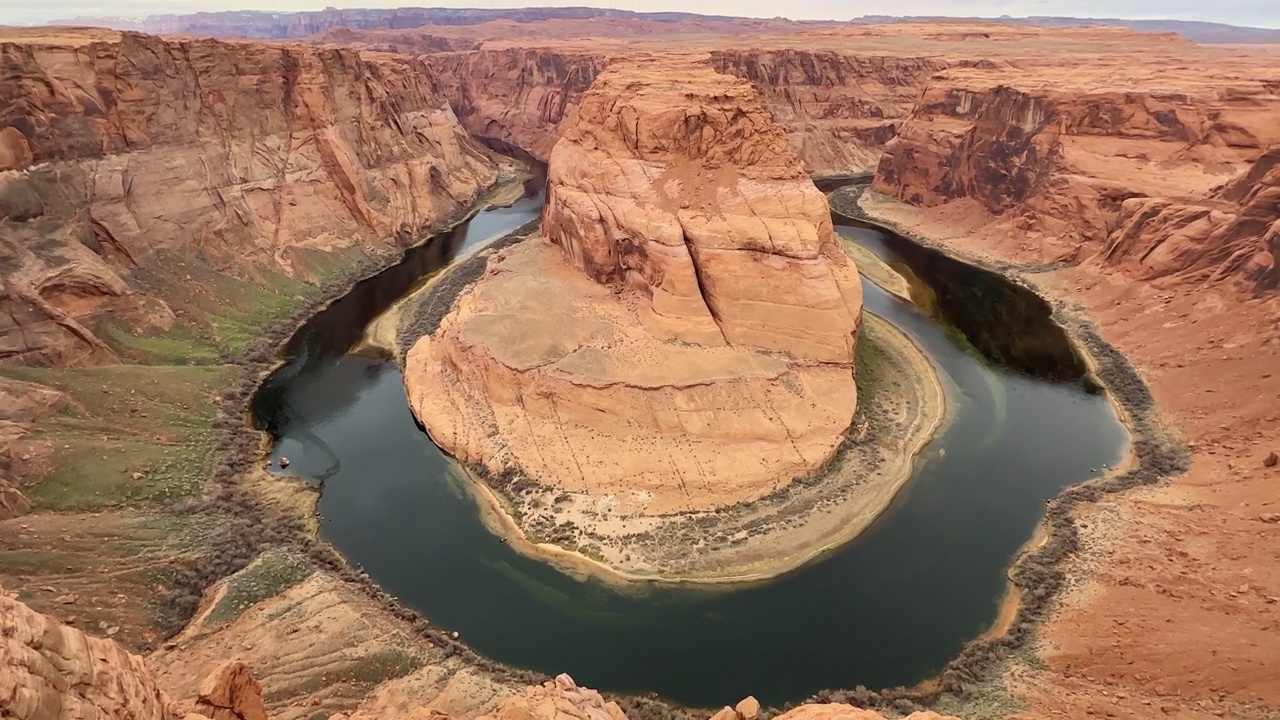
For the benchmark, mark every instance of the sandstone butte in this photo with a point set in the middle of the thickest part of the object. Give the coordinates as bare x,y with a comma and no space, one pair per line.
681,337
50,671
1131,175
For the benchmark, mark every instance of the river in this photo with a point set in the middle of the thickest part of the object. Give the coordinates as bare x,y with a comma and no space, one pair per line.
890,608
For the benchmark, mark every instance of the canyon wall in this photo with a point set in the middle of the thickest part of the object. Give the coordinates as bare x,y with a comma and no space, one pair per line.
523,96
838,108
1232,233
1136,179
126,155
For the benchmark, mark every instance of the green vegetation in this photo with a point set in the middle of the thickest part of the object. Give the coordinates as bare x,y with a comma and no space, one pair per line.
216,313
378,667
178,347
135,434
271,574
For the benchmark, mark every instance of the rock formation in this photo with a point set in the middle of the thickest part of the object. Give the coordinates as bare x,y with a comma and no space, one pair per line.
230,693
559,699
683,336
839,711
1233,233
524,96
838,108
1127,177
49,670
123,152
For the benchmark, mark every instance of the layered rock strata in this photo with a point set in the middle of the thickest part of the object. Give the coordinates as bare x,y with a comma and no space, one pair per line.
838,109
124,154
682,335
1133,179
1234,232
49,670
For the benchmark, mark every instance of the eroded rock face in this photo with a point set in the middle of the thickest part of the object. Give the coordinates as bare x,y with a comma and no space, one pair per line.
563,699
1091,173
682,337
12,502
230,693
1234,233
520,95
838,109
51,671
127,154
837,711
559,699
684,187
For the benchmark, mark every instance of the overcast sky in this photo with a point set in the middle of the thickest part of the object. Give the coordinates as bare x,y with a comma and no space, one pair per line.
1258,13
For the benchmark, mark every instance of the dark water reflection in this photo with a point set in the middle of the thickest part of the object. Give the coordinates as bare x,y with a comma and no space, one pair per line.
888,609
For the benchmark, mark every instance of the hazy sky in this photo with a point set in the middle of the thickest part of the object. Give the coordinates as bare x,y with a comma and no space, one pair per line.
1258,13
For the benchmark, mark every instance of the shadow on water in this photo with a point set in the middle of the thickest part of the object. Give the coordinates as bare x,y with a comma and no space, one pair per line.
1006,323
890,608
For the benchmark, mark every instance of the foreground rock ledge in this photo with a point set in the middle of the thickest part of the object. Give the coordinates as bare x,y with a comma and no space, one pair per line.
681,335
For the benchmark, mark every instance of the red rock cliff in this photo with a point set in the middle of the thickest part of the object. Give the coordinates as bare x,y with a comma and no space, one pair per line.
1098,172
1233,233
121,150
838,109
523,96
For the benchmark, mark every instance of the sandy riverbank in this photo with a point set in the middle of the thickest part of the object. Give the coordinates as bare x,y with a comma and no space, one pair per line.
380,335
875,269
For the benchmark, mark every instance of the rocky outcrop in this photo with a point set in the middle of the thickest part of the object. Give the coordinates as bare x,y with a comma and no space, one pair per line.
1002,153
838,108
126,154
230,693
689,192
559,699
1099,173
563,699
837,711
682,337
1235,233
521,95
12,502
49,670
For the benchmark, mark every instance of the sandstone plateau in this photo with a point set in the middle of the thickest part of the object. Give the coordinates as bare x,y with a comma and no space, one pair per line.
124,155
682,337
